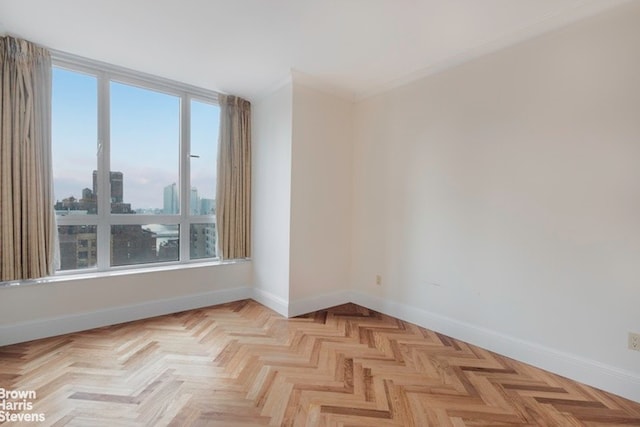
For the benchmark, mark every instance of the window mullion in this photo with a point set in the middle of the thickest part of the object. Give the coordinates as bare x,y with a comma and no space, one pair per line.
185,176
104,190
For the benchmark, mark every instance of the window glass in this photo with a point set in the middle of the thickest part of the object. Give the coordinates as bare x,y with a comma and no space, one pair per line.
142,244
78,246
205,120
145,151
202,241
74,136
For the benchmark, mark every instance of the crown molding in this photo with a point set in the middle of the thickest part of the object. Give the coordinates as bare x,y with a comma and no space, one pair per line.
299,78
313,82
273,88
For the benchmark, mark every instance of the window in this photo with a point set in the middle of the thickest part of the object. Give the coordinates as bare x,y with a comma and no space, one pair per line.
134,164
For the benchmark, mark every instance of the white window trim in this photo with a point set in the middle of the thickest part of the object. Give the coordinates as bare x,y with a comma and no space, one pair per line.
105,73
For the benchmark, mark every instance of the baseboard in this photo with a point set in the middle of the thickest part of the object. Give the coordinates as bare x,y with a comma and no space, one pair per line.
595,374
300,306
319,302
49,327
53,326
274,302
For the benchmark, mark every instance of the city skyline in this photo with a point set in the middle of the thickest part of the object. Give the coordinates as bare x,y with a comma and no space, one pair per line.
171,204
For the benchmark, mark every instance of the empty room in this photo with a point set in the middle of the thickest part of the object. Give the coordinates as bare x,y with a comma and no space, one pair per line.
320,213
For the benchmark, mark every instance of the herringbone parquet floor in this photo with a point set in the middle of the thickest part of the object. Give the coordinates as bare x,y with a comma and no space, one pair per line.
240,364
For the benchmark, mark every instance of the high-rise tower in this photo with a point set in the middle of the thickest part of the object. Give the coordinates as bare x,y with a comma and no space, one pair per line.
170,202
116,183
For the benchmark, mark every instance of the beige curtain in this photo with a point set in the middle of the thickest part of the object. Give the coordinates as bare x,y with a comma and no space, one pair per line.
27,219
233,198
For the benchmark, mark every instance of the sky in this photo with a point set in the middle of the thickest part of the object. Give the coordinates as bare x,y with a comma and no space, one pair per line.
144,128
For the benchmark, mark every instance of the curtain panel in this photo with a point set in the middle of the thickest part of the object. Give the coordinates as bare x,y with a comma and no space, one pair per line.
233,195
27,218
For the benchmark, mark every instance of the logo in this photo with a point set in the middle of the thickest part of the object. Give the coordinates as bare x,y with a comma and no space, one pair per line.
17,406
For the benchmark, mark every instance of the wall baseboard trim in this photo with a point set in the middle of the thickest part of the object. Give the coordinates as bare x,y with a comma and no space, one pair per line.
274,302
49,327
595,374
319,302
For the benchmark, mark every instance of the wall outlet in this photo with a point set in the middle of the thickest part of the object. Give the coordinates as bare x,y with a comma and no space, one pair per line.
634,341
378,280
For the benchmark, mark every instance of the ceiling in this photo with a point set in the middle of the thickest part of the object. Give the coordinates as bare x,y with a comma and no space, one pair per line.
249,47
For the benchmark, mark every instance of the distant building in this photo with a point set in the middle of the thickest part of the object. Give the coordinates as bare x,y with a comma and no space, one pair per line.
78,243
132,244
194,202
78,246
202,241
87,193
68,204
121,208
170,200
169,250
207,206
117,187
116,182
89,200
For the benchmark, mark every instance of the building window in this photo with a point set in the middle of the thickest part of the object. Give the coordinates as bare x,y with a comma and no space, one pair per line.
134,165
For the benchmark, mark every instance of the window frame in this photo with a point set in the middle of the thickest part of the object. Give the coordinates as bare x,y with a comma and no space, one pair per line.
104,219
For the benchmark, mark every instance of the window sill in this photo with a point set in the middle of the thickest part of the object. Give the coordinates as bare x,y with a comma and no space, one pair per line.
123,272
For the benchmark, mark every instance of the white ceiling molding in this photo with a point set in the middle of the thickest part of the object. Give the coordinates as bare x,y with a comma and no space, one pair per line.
271,89
320,85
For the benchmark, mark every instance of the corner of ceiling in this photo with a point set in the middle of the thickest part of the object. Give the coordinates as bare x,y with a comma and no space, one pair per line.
316,83
272,88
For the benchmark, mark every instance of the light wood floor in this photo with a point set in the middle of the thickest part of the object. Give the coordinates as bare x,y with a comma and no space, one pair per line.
240,364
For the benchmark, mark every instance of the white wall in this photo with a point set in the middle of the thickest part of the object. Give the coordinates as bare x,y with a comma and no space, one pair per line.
35,310
505,193
271,205
321,193
302,183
